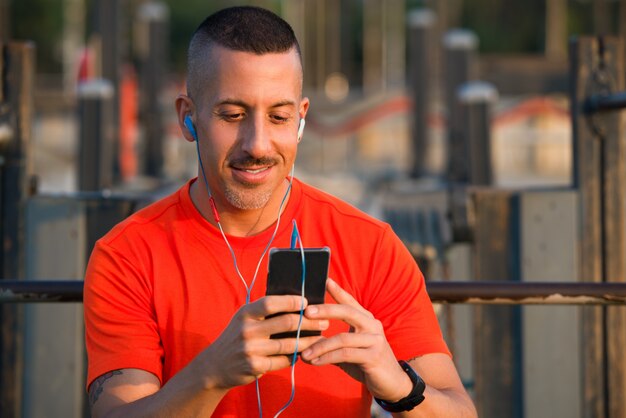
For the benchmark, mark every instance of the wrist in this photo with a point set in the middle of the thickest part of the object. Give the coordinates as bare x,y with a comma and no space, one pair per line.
211,384
213,381
410,401
204,372
404,387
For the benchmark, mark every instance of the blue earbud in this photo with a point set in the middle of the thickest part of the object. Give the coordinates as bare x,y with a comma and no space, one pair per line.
190,127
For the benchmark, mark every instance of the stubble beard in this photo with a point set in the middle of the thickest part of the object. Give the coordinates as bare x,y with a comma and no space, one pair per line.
247,198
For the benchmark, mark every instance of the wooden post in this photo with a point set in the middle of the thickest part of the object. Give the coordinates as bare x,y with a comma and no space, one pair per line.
312,44
73,33
614,227
421,24
599,145
460,48
333,44
383,45
349,38
109,28
497,330
587,180
476,99
95,162
556,29
373,70
16,107
293,13
153,20
394,43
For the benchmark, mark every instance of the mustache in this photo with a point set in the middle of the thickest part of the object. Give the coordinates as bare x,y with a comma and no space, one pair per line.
245,162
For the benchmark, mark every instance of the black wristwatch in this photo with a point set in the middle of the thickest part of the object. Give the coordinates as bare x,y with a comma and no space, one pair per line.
414,398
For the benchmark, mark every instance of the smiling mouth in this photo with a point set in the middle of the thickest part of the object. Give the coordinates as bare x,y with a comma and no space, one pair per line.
251,175
253,165
253,171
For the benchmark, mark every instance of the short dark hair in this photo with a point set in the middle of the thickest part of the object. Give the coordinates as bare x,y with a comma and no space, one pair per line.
243,28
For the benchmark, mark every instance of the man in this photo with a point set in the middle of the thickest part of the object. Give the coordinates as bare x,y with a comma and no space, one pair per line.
177,323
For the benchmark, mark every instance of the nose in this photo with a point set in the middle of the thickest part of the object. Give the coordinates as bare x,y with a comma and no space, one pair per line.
256,141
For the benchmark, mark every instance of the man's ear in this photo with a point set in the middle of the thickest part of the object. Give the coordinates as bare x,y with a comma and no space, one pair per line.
184,108
304,107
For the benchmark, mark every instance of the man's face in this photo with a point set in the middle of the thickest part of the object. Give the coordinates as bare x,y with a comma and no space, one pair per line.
247,116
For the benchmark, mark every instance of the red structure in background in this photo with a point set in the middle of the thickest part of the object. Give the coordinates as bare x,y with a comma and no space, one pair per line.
128,123
129,110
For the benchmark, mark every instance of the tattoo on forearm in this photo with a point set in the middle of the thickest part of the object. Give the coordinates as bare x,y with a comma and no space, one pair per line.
96,387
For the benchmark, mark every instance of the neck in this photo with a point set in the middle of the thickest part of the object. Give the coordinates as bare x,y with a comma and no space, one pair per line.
239,222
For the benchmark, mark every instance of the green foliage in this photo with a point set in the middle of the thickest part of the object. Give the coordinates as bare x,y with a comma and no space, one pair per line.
507,27
40,21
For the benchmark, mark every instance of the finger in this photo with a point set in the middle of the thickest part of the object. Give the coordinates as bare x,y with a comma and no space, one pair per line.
263,356
260,365
289,322
342,297
283,346
269,305
342,348
266,364
361,320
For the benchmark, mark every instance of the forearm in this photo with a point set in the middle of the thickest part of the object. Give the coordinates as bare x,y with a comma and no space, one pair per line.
243,352
185,395
442,403
165,403
443,392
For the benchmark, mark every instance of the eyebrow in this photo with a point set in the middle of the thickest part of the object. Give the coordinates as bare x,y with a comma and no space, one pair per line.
241,103
284,103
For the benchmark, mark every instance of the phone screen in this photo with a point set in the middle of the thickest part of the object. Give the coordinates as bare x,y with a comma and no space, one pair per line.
284,277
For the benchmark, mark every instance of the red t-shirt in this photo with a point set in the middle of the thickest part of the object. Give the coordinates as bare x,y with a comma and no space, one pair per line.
161,286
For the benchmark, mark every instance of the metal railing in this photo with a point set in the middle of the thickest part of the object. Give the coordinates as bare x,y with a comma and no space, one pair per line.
475,292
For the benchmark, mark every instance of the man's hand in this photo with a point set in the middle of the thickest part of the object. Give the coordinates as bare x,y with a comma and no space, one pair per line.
364,352
244,350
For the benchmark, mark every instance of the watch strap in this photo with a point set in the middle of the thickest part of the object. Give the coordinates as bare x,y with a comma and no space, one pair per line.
414,398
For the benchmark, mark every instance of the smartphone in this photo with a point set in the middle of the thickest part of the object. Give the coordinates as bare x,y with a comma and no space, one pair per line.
284,277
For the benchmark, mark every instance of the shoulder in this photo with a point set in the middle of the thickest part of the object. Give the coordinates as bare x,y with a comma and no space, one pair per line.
152,219
322,203
326,220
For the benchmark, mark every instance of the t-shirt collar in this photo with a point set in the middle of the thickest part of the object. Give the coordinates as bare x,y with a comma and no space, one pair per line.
209,231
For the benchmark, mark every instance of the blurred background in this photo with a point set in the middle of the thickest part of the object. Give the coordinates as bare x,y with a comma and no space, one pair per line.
357,69
487,133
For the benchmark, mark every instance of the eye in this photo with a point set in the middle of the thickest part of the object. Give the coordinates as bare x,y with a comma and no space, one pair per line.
279,118
232,117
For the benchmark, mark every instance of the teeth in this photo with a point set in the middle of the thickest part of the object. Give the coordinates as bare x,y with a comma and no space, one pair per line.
255,171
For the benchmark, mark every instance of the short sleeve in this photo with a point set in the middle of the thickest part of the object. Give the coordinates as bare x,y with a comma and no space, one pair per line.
398,298
120,325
